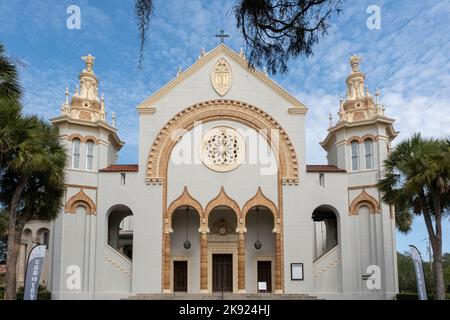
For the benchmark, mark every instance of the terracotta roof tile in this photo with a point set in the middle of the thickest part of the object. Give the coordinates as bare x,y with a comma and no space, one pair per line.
323,168
121,168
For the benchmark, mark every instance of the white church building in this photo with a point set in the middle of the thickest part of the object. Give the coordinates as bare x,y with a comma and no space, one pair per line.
221,199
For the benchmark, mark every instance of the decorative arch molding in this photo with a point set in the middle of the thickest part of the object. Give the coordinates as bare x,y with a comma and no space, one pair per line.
185,199
222,199
362,139
220,109
259,199
83,200
83,139
364,199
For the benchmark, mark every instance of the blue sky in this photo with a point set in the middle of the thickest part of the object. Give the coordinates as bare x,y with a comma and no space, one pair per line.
408,59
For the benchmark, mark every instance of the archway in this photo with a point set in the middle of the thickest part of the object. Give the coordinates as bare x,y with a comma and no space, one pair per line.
260,249
43,236
185,249
120,230
326,231
223,244
212,110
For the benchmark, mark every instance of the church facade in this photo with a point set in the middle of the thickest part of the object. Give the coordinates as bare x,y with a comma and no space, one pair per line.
221,199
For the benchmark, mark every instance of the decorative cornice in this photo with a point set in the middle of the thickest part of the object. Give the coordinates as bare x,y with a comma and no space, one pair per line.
297,111
220,49
97,124
83,200
345,124
67,185
147,110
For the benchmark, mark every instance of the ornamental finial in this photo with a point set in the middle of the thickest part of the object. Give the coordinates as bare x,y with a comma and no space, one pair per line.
89,60
354,63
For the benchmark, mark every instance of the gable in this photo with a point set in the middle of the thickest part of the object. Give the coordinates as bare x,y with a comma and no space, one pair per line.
238,65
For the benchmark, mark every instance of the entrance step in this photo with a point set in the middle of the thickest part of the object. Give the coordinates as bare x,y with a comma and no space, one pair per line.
220,296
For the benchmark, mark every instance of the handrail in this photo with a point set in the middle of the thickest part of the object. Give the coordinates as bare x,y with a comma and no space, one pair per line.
326,254
120,254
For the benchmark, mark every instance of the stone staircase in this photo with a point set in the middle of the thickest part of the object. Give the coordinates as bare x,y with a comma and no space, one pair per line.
220,296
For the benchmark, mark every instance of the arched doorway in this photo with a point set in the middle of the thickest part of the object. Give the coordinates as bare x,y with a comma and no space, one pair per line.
223,248
325,230
120,230
185,248
260,249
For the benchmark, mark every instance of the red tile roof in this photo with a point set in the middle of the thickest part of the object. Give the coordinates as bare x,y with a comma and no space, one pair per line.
121,168
323,168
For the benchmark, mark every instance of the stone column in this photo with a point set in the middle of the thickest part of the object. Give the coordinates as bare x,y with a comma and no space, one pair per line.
278,266
166,266
204,261
241,262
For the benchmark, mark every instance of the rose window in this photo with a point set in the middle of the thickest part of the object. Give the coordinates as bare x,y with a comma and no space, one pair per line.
222,149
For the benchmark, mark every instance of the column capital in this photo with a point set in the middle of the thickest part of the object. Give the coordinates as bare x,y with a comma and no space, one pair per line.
203,229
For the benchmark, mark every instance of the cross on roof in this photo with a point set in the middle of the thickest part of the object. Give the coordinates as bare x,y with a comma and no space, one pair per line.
222,36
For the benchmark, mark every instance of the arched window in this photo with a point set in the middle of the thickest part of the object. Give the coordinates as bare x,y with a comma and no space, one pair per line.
90,155
368,148
325,230
120,230
355,155
76,153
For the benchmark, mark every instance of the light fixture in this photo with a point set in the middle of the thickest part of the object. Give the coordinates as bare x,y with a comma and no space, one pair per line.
187,243
258,243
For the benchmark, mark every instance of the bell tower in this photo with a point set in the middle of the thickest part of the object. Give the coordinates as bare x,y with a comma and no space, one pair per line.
91,141
360,140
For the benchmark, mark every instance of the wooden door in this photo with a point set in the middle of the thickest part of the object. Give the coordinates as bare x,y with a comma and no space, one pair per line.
265,273
222,272
180,276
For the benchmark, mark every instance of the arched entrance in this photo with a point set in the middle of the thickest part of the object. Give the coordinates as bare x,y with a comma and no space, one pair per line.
185,248
260,249
326,233
223,248
263,247
120,230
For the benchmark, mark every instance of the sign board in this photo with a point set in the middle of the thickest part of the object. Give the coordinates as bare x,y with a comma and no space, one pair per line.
33,273
262,286
296,271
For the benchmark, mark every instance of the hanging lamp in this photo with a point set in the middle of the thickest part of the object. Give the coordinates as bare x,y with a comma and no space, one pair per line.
187,243
258,243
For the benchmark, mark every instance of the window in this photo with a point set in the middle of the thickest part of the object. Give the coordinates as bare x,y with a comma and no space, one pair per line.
322,179
355,155
122,179
89,155
76,153
45,240
368,147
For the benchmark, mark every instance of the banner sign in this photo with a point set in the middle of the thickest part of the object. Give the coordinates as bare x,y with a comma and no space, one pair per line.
33,273
417,260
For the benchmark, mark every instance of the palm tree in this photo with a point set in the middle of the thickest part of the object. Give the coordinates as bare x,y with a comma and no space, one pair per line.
9,80
31,185
417,182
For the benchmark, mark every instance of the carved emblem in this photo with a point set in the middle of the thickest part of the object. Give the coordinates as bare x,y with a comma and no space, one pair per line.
221,77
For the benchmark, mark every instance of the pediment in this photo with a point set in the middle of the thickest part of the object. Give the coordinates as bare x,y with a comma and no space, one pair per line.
221,78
